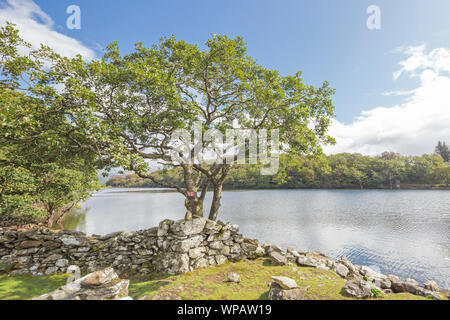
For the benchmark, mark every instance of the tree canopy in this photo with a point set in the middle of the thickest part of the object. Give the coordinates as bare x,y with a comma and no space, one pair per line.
43,172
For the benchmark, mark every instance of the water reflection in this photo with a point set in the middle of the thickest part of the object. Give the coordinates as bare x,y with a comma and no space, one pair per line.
75,219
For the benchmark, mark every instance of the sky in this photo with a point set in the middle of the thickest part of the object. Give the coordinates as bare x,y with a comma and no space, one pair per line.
392,84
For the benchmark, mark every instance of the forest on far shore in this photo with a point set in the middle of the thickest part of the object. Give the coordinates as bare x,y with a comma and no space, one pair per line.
339,171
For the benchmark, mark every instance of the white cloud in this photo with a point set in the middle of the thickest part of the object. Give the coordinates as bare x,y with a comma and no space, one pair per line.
412,127
36,27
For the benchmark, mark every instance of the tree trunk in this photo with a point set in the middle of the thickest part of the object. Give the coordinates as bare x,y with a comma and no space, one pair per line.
215,205
51,219
194,207
63,215
192,203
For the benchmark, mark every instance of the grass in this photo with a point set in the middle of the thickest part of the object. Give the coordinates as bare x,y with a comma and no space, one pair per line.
25,287
210,283
205,284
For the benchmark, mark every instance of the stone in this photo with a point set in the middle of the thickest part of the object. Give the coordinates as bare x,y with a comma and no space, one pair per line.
385,283
269,248
341,270
212,225
110,235
380,280
409,285
30,244
249,247
251,241
163,228
224,235
259,251
350,266
185,245
61,263
216,245
100,285
188,227
52,258
7,263
200,263
24,260
225,250
304,261
211,261
51,270
285,282
220,259
50,245
277,258
397,286
173,263
358,289
196,252
69,240
291,254
239,238
234,277
431,285
276,292
98,278
368,272
235,248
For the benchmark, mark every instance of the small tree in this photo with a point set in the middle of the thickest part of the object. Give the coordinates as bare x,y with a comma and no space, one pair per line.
442,173
443,150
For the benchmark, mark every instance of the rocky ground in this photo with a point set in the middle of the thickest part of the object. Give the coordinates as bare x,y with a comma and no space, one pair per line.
254,282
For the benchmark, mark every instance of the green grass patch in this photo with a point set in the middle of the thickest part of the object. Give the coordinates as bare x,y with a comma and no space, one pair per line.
25,287
205,284
210,283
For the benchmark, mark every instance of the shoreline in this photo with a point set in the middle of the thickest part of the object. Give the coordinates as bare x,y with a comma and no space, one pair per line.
434,188
174,247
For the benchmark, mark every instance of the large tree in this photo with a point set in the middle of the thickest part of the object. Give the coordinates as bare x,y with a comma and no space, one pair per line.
139,100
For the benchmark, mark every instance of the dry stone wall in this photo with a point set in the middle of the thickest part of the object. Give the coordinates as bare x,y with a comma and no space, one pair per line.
173,247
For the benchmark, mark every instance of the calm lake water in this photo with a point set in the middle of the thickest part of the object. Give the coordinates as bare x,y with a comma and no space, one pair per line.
406,233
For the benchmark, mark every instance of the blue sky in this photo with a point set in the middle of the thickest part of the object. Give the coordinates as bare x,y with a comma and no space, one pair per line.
326,39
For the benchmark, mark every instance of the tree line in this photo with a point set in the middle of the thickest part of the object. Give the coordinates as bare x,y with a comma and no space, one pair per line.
337,171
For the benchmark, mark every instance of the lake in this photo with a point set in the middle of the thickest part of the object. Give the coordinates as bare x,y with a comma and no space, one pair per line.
406,233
